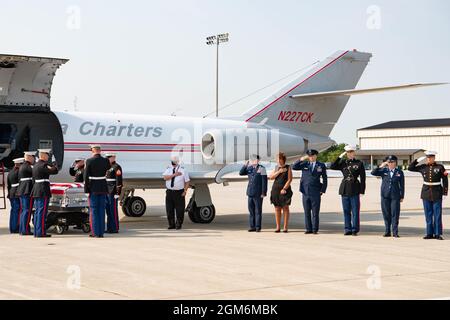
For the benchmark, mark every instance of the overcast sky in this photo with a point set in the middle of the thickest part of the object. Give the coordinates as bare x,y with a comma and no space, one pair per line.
150,56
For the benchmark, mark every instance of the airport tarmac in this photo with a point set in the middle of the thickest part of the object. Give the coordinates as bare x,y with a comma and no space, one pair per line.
223,261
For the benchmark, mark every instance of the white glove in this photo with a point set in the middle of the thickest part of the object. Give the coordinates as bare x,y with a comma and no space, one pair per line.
421,159
342,155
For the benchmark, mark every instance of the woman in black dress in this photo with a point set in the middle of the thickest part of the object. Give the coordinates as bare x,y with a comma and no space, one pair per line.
281,193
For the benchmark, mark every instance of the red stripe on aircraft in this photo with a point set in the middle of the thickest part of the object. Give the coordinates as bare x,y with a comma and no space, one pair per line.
133,144
118,150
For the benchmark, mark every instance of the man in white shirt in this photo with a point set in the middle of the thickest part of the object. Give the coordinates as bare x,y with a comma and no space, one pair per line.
177,184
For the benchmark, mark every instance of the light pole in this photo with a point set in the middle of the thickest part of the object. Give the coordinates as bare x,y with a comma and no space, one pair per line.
217,40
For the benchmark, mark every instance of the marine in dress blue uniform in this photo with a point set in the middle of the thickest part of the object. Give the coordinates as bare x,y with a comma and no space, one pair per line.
41,191
435,187
77,170
114,181
353,185
24,192
313,185
256,191
12,184
392,193
95,185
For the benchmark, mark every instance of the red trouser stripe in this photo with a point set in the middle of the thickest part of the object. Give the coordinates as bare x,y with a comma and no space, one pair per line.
20,212
44,214
30,209
116,216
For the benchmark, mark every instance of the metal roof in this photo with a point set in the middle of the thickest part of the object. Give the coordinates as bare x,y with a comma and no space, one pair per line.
443,122
386,152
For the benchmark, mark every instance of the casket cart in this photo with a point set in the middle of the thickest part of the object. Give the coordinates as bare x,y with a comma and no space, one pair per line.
68,207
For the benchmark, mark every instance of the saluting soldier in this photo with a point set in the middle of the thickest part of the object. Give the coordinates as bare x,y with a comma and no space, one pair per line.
95,185
114,182
24,192
392,193
313,185
41,191
77,170
435,186
12,184
352,186
256,191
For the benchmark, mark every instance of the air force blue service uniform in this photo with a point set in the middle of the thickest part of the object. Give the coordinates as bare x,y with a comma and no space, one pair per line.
114,183
41,194
435,186
392,192
24,193
13,184
352,186
313,184
95,185
257,187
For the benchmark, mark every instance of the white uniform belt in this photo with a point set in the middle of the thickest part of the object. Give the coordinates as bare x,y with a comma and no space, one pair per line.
41,180
14,185
432,183
97,178
26,179
111,180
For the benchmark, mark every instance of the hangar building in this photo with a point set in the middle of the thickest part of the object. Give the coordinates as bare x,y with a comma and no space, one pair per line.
406,139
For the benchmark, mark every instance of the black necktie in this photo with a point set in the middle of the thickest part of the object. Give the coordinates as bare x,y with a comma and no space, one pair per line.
172,182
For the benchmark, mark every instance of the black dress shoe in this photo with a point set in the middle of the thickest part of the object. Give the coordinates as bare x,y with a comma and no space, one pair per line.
27,234
354,234
92,236
178,227
111,231
285,231
387,235
439,238
171,228
277,231
44,236
258,230
251,230
348,233
308,232
428,237
316,232
396,236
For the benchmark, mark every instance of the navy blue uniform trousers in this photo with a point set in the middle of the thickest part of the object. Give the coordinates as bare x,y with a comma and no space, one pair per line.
112,214
40,216
255,210
391,214
311,206
25,215
14,215
97,206
433,217
351,206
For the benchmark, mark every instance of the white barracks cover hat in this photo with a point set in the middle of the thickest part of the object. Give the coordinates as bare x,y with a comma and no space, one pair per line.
19,160
349,148
430,153
29,153
47,151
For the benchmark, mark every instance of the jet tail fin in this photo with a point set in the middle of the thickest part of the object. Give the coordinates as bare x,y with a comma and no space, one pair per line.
340,71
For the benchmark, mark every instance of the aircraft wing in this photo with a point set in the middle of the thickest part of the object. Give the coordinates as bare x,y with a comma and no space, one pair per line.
352,92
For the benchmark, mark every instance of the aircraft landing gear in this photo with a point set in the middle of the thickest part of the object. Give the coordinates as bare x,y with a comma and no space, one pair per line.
133,206
200,208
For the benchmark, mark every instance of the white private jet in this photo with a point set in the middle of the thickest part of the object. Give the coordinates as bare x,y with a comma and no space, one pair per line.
297,117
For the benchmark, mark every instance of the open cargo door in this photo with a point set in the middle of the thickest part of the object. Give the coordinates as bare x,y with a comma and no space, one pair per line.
26,121
26,82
